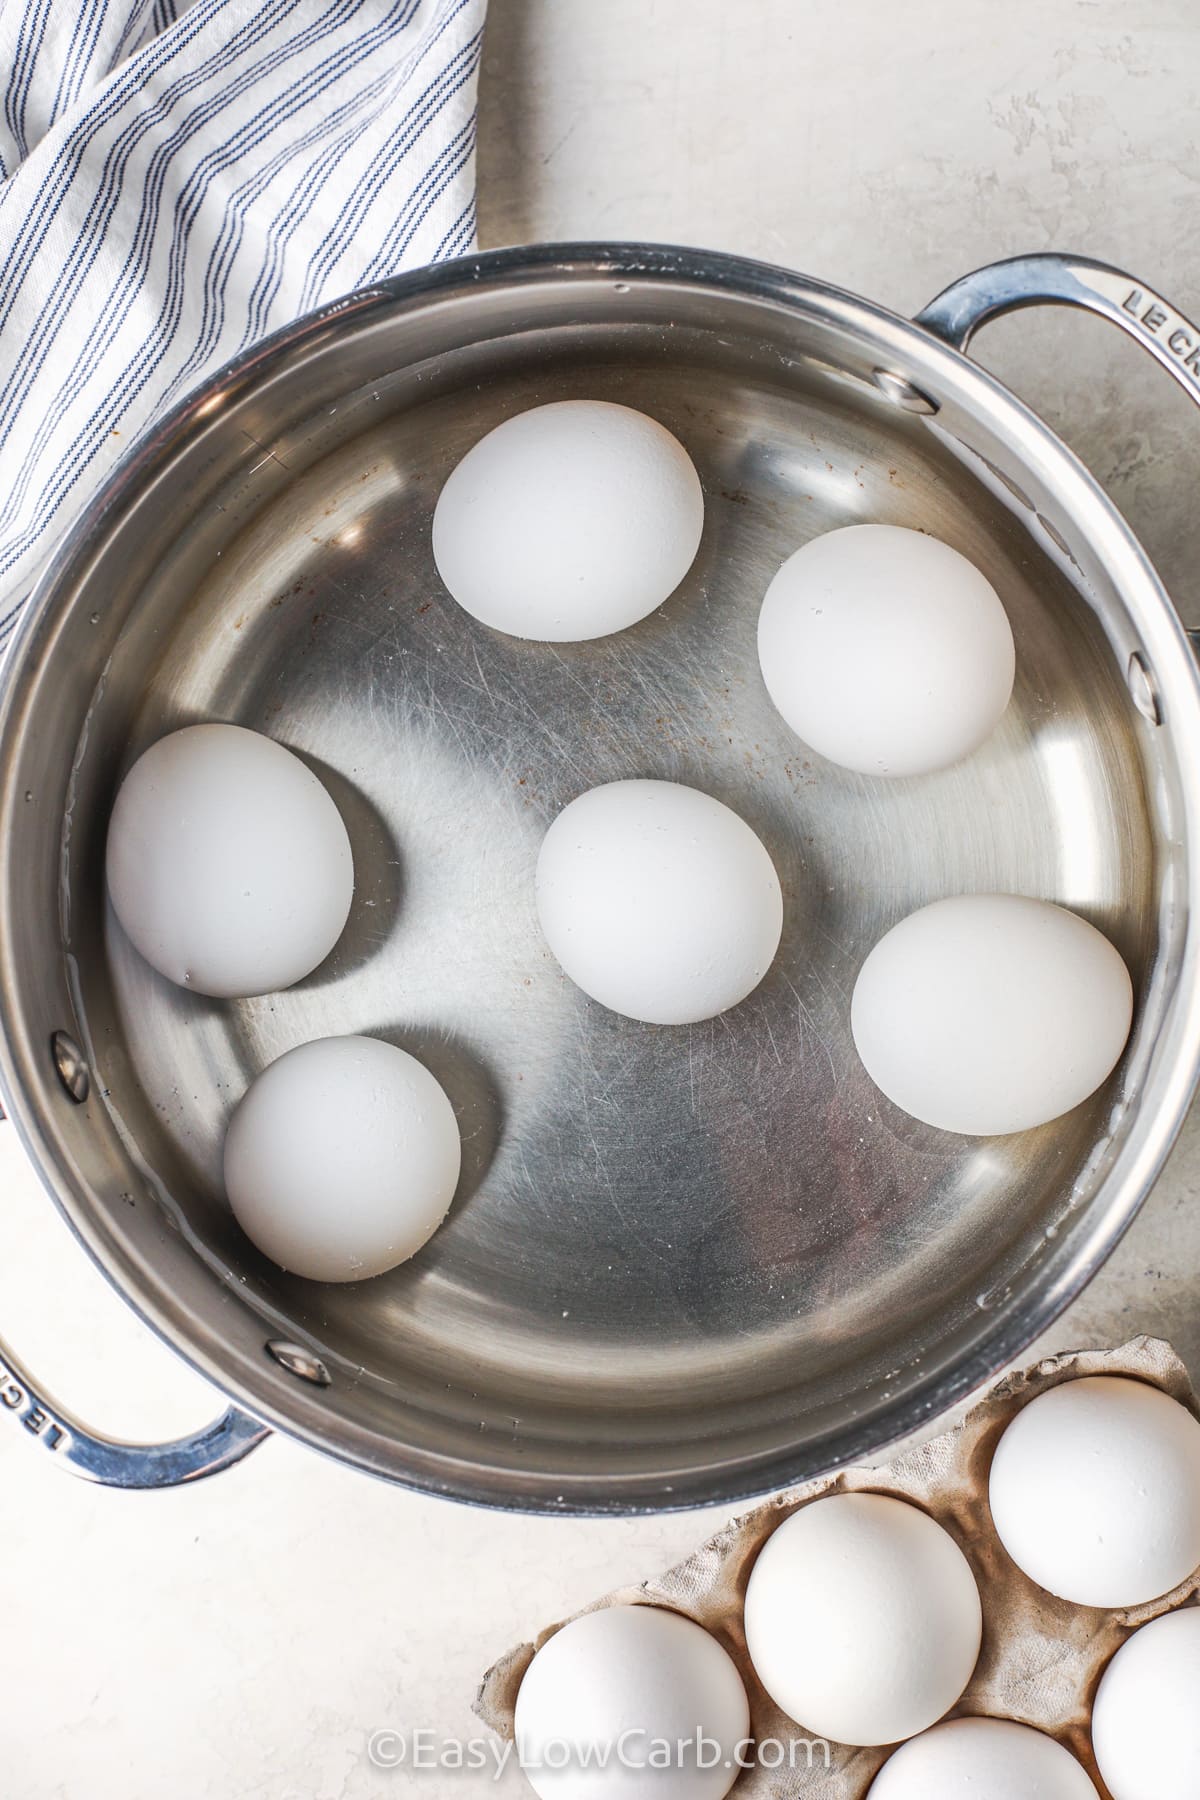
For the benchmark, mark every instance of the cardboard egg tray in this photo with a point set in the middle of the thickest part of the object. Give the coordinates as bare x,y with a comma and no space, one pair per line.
1041,1659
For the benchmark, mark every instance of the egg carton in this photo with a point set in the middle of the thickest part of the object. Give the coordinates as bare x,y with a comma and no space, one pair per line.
1041,1659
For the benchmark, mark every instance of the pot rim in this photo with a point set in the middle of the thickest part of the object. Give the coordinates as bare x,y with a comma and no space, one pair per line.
1160,1107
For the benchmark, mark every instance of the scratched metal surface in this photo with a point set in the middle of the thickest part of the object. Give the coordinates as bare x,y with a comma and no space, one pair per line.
647,1212
684,1260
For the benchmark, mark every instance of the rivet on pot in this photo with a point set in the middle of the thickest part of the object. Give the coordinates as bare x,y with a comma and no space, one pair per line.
71,1068
903,393
299,1361
1143,690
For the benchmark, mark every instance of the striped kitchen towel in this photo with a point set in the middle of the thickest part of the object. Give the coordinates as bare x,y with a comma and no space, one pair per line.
178,180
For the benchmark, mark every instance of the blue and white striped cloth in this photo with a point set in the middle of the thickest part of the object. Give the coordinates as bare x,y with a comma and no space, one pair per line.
178,180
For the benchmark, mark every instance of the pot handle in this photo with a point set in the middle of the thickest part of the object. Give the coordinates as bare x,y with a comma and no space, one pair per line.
116,1464
1049,279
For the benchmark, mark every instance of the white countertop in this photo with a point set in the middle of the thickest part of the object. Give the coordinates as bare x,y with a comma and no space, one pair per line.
242,1639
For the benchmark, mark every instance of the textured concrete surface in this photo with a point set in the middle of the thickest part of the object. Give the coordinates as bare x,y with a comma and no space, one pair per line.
240,1640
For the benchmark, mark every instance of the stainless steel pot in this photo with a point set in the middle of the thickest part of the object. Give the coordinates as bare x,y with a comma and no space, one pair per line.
685,1265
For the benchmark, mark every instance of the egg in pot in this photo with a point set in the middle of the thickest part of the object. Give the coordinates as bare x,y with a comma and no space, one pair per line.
658,901
569,521
886,650
342,1158
991,1013
228,864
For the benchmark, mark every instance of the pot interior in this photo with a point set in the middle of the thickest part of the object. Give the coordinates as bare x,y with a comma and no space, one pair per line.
684,1263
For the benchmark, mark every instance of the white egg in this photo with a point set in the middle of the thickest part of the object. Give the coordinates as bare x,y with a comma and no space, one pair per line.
863,1619
1095,1491
604,1693
1145,1720
228,864
886,650
569,521
989,1013
342,1159
658,901
982,1759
